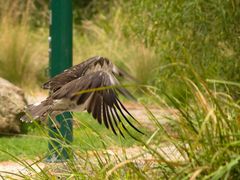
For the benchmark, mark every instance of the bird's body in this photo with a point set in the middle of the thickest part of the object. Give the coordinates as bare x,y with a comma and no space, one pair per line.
90,85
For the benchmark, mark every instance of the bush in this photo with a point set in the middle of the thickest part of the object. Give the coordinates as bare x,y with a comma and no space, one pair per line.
204,34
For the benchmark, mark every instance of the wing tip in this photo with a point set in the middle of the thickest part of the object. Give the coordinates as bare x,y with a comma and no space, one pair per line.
46,85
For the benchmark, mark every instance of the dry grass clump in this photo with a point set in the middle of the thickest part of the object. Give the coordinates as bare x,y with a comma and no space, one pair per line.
23,52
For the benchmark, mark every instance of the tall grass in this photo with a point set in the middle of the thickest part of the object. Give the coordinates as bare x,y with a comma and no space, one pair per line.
186,55
202,142
23,52
206,134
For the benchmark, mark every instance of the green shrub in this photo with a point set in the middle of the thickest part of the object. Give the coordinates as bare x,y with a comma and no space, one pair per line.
204,34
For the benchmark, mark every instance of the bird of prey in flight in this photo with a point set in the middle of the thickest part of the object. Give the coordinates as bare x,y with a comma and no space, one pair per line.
91,85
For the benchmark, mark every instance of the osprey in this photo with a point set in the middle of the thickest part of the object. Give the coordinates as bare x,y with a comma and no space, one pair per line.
90,85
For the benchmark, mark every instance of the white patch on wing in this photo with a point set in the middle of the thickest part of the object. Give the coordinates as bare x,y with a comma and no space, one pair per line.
36,104
78,108
69,105
63,104
115,69
113,80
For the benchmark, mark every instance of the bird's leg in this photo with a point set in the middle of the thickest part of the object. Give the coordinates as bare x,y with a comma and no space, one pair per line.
55,123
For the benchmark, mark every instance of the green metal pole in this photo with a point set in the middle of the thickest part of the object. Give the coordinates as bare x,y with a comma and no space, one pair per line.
60,58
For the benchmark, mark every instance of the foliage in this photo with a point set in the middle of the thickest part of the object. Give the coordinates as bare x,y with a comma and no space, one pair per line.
202,33
206,133
185,53
203,143
87,137
103,38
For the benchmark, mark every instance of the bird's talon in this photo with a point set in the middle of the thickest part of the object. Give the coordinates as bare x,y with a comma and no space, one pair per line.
56,125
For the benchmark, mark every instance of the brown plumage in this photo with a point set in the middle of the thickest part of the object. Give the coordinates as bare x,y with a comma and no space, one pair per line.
92,86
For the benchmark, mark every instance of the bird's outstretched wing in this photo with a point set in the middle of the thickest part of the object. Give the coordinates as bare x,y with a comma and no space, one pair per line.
97,93
68,75
88,66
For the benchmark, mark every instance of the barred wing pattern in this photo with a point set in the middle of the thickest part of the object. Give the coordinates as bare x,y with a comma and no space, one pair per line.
88,66
92,86
97,94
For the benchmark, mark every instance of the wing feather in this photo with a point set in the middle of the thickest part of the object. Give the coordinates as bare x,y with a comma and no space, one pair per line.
99,114
124,127
125,109
69,75
82,98
110,121
79,70
115,121
94,105
105,120
126,93
103,104
129,122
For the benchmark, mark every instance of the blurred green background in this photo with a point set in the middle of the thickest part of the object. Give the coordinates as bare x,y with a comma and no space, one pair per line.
145,36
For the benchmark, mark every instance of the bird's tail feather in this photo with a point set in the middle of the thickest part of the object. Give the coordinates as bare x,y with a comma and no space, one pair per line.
35,111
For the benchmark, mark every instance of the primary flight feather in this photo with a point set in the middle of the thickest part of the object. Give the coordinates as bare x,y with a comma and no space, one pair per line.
92,86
